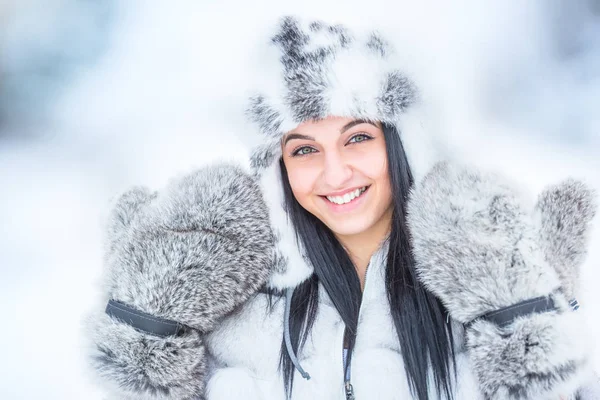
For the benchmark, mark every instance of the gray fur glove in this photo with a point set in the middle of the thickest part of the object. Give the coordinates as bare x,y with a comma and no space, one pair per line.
480,248
190,254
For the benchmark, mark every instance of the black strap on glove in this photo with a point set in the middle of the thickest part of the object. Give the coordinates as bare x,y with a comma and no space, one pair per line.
506,315
142,321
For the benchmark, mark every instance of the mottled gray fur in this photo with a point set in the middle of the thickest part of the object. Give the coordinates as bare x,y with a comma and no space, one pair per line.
263,156
478,248
306,71
191,254
564,213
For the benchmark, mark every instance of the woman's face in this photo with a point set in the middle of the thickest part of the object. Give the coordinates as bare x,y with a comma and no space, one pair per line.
337,168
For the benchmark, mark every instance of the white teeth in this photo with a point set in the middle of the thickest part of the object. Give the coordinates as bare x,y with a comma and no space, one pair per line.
348,197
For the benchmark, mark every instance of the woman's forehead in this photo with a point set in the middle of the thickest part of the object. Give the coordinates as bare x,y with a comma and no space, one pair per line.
331,121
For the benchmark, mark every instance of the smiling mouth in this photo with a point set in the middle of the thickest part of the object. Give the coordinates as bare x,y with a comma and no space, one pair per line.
348,197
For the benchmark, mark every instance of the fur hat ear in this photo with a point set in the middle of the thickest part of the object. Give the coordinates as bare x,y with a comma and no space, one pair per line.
564,213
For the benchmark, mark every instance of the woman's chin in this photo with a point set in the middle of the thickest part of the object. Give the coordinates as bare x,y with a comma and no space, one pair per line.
350,227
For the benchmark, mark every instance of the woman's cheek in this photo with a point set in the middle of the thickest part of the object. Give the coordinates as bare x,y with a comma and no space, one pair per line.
302,181
374,164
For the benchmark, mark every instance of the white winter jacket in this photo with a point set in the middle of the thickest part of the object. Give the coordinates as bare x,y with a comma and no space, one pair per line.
246,349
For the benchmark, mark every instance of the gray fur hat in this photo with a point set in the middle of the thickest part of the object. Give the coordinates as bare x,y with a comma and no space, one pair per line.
329,70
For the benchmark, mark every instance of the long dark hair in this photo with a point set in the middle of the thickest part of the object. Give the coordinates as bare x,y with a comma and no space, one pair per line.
419,317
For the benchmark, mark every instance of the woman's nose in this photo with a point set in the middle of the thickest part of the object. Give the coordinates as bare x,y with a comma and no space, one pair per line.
336,171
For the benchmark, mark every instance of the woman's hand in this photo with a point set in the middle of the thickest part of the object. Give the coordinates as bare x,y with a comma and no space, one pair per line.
490,257
183,259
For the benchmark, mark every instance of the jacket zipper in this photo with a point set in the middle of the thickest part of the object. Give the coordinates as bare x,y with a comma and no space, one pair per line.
347,385
348,388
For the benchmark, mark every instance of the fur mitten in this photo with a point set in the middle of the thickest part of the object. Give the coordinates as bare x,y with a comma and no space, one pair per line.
481,249
189,255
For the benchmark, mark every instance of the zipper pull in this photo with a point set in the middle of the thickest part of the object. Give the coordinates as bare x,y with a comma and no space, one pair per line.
349,391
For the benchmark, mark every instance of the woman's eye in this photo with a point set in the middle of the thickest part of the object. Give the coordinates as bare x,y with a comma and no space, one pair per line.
361,137
302,151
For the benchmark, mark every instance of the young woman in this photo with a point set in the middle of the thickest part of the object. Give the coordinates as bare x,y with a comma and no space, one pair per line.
385,277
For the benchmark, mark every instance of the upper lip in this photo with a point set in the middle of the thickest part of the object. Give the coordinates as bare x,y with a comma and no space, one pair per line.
343,192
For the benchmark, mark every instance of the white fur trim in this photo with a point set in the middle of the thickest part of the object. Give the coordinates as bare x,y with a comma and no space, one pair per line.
232,383
297,270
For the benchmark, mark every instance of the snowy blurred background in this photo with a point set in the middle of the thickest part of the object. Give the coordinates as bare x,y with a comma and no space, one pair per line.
99,95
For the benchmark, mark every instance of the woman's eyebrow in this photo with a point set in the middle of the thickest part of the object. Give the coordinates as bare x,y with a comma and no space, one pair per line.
354,123
297,136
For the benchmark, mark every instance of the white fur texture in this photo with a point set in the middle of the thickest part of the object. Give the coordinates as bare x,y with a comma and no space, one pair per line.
293,269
